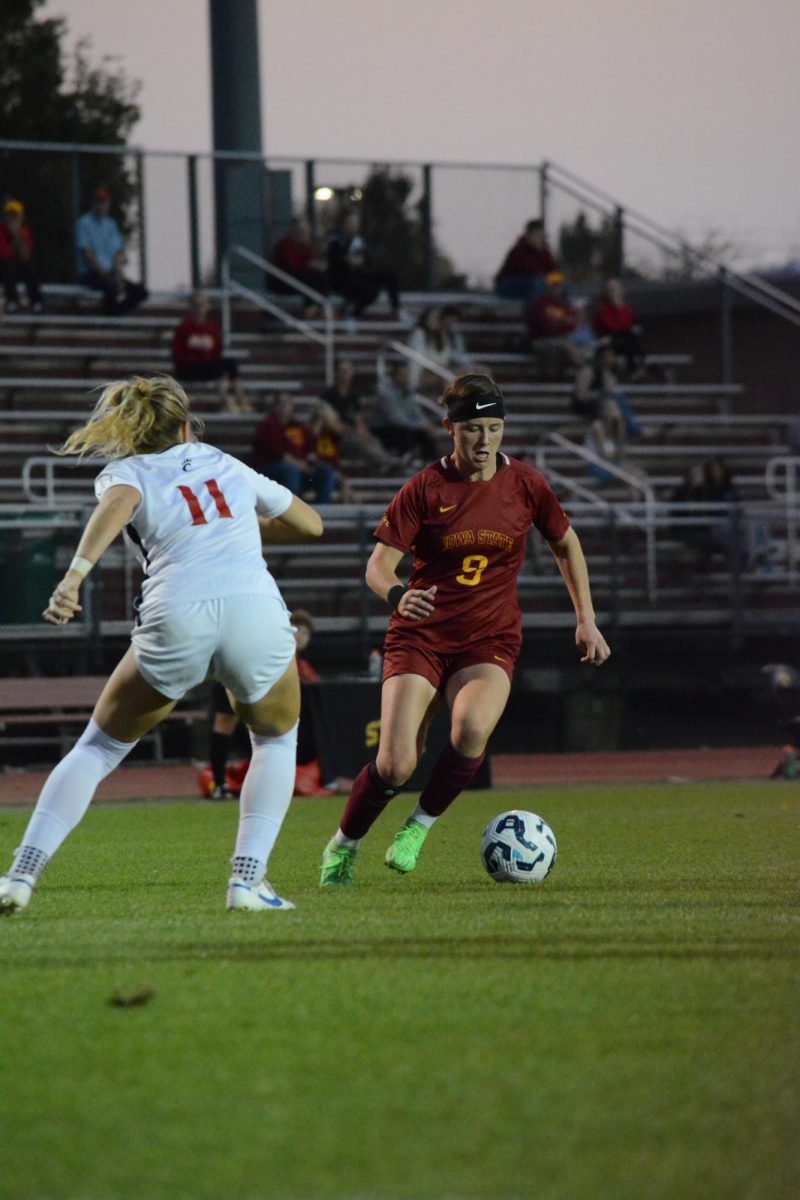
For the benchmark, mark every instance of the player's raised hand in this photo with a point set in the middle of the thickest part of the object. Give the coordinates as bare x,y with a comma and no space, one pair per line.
593,646
417,603
63,604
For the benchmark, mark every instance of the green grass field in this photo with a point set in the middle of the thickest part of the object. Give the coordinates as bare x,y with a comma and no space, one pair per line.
627,1030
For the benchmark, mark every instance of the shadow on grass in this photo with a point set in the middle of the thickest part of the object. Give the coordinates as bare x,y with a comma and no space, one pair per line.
578,948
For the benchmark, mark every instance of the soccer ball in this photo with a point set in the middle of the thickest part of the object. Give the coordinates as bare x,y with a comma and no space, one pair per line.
518,847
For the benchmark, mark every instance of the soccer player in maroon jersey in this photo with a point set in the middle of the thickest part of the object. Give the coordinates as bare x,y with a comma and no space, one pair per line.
456,628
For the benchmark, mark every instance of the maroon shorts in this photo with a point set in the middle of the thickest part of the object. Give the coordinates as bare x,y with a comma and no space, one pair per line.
407,657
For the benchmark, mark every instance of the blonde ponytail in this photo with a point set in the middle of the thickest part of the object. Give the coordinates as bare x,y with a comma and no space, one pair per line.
133,416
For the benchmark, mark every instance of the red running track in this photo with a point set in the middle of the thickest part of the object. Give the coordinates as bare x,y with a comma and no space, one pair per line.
508,770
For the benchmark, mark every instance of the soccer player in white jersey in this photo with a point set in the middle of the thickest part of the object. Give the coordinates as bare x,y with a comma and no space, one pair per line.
195,516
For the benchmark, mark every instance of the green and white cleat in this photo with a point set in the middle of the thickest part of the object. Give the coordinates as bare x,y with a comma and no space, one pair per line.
337,865
15,892
404,851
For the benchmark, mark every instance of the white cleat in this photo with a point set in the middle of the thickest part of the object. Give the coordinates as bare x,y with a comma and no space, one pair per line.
15,893
254,897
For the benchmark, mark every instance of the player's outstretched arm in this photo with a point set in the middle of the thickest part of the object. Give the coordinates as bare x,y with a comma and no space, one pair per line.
572,565
414,603
300,523
107,521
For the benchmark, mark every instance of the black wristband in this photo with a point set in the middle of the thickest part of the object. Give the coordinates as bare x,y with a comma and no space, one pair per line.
395,594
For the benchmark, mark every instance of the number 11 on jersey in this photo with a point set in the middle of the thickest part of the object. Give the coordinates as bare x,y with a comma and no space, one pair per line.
194,504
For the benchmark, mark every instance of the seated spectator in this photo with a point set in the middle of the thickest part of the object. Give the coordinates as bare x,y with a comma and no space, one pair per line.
197,355
16,258
598,396
598,380
283,450
715,527
101,257
614,319
399,420
692,525
582,338
437,336
296,254
326,428
550,320
351,273
356,438
523,270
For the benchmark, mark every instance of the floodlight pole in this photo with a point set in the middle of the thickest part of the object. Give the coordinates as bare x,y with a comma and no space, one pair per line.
236,104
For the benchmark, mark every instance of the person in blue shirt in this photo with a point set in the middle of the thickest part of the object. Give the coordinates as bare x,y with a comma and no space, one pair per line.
101,257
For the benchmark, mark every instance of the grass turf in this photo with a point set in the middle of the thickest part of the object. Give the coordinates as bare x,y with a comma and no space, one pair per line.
625,1031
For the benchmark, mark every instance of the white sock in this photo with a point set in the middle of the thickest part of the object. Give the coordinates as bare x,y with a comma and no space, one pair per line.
341,840
265,796
69,788
423,817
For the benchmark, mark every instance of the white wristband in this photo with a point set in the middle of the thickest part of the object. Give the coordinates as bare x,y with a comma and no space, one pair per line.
81,566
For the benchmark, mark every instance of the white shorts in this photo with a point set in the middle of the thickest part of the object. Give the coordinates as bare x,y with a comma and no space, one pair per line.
246,640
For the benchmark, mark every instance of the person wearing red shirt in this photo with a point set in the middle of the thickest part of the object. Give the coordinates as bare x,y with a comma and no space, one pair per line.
16,258
284,449
550,320
297,255
521,275
456,628
614,319
197,354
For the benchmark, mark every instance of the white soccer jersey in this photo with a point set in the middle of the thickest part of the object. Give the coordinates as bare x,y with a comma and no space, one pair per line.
195,529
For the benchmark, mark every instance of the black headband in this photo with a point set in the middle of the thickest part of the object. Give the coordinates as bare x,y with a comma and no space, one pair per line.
475,404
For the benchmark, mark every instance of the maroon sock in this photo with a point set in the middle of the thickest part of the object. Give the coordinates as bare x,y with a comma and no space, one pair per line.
369,796
452,773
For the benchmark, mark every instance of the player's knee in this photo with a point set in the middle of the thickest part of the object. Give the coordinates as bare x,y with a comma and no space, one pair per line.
470,735
272,720
396,767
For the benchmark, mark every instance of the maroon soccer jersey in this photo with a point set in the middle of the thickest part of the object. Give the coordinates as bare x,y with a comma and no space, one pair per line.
468,538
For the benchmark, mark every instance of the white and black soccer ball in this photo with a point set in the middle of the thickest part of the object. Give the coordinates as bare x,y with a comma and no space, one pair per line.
518,847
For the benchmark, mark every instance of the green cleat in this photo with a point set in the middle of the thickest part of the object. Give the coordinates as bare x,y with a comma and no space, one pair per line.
337,864
404,851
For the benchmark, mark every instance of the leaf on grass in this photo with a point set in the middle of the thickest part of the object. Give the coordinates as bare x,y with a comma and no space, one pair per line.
132,999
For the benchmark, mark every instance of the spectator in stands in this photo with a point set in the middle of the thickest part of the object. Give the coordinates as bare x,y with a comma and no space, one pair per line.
597,381
351,273
598,396
283,450
198,358
356,438
710,530
437,336
101,257
582,338
16,258
297,255
692,526
523,270
551,319
400,422
326,428
614,319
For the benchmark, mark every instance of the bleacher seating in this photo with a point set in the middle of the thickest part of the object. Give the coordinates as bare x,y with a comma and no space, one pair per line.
50,364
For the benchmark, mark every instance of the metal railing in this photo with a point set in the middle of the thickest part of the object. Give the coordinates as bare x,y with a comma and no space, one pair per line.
630,479
782,477
232,287
171,217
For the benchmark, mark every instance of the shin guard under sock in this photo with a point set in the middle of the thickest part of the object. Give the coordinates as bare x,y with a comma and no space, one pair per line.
369,796
451,774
